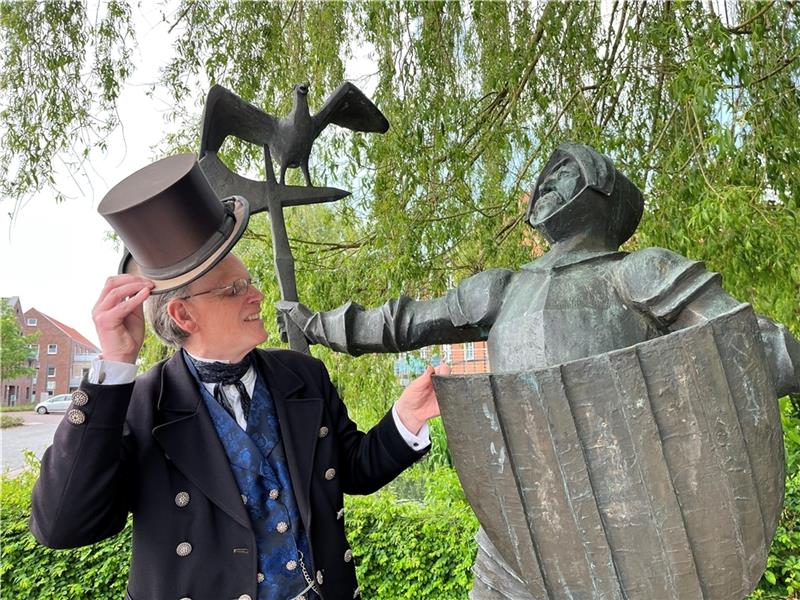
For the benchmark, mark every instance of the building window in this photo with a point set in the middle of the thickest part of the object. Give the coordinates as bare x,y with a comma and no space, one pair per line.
51,385
447,353
31,322
51,371
469,351
52,348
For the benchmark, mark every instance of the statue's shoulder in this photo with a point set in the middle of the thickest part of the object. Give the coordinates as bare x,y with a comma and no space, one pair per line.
490,278
476,300
661,281
657,257
654,267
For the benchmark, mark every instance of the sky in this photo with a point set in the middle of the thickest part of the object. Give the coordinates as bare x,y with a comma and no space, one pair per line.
55,256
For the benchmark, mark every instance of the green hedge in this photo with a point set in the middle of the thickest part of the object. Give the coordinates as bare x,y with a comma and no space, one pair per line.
7,421
31,571
411,549
418,548
403,548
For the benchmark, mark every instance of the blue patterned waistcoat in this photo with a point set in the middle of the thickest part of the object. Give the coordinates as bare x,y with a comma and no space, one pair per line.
259,466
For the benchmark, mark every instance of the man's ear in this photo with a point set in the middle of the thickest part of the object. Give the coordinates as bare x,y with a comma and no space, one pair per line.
180,312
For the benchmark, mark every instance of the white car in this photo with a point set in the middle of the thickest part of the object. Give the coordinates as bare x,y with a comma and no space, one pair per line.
54,404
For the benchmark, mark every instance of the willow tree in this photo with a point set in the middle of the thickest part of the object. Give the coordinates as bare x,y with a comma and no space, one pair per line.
697,103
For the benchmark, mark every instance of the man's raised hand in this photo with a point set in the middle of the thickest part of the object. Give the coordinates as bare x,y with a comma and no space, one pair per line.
119,319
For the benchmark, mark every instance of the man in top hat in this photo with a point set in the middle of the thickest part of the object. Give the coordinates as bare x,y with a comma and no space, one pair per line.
582,298
233,460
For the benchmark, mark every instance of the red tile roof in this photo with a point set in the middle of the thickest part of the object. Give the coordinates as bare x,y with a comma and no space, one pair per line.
77,337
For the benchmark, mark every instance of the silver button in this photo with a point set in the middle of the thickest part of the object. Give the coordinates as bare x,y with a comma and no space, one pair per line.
330,474
244,498
319,577
291,565
323,431
182,499
348,555
245,597
273,494
183,549
76,417
260,578
80,398
282,527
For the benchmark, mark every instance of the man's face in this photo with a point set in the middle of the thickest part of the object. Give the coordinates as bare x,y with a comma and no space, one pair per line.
558,187
228,326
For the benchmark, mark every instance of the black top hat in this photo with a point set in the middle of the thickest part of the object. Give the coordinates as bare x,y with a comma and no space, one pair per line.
173,225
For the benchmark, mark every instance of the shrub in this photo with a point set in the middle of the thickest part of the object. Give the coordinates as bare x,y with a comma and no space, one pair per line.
17,408
7,421
412,549
31,571
403,549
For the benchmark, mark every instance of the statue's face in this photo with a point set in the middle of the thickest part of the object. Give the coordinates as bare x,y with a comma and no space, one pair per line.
558,188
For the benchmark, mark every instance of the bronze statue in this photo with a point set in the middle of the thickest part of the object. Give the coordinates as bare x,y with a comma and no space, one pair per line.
627,443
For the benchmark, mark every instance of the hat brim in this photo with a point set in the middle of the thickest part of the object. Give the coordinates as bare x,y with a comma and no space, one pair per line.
241,214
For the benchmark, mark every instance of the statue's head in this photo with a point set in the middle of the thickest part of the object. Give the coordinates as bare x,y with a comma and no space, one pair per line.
579,190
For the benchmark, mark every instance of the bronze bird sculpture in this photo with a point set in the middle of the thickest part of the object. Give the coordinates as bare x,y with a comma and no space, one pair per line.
287,140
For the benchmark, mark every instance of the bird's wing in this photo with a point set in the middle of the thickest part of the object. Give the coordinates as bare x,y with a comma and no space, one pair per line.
348,107
227,114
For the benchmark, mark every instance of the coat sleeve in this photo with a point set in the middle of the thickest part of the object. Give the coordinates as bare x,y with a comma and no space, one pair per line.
367,461
82,495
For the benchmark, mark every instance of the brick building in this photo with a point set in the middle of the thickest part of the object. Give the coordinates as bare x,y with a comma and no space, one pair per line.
17,391
63,356
470,357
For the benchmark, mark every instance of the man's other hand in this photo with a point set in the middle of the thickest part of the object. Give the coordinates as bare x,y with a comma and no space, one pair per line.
119,319
418,403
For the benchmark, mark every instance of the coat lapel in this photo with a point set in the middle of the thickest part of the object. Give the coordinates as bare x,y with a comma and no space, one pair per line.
299,418
189,439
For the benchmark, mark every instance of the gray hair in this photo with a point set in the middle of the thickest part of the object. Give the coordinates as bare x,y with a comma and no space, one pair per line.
155,311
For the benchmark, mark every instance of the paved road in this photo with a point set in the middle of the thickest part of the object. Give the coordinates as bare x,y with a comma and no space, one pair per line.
35,435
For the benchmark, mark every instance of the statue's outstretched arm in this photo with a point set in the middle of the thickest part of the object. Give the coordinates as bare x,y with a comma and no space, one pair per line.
465,314
678,293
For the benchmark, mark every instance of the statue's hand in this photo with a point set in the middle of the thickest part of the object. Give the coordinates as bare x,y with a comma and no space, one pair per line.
297,313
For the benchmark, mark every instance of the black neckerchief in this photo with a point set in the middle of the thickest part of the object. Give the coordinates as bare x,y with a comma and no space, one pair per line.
221,374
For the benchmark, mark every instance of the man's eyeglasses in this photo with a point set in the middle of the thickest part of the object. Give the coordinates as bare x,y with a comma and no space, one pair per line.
237,288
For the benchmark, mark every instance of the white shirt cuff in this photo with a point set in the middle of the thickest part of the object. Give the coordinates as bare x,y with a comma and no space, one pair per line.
416,442
110,372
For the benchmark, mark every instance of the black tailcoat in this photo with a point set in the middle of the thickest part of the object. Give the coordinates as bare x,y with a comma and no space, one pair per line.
140,445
